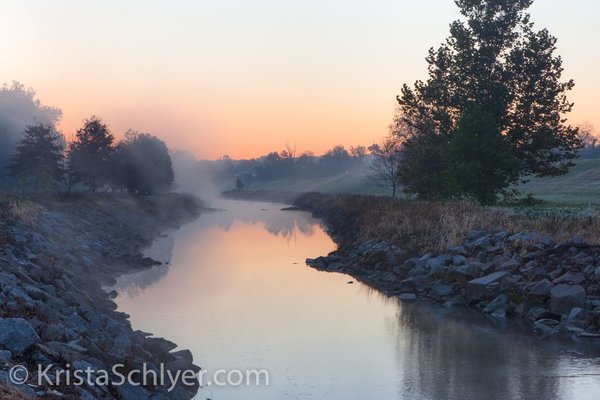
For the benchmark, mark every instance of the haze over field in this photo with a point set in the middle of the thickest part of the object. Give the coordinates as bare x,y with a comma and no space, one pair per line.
246,77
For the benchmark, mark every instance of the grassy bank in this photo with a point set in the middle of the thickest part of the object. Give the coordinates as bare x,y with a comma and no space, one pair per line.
26,208
420,227
581,185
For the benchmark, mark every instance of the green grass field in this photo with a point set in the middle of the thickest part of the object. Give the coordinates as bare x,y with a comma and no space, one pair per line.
349,184
580,186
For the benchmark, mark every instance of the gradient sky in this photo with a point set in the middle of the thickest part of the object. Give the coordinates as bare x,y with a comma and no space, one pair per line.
245,77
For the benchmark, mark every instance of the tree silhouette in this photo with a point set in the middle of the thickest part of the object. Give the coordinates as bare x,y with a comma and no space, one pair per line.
38,156
142,164
91,152
385,165
480,161
494,60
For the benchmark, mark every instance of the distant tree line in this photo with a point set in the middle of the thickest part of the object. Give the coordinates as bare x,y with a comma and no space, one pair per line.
590,146
286,164
38,158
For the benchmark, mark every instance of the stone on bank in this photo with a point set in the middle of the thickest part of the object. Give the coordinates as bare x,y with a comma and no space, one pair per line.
563,298
17,335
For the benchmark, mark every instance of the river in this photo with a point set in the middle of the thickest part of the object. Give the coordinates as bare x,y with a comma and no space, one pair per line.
237,293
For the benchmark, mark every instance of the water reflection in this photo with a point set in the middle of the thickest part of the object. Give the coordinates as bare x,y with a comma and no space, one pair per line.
459,354
239,296
270,216
161,251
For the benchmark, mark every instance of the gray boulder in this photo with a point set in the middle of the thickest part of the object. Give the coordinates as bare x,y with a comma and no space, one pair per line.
11,280
85,395
537,313
440,290
459,260
20,296
511,281
540,288
23,388
5,356
121,347
479,288
401,270
521,237
578,318
410,285
184,354
574,278
471,269
510,265
563,298
158,345
498,306
53,332
417,271
457,250
17,335
546,327
482,241
438,263
597,273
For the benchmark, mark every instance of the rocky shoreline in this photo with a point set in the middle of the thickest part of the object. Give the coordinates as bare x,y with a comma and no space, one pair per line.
554,286
53,310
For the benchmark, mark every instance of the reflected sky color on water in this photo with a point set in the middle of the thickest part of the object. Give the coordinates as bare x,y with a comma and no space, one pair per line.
238,295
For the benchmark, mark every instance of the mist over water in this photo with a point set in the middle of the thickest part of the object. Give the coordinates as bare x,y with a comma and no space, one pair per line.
191,178
238,294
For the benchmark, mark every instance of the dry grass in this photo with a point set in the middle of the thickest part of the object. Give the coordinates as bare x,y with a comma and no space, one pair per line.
420,227
27,209
24,210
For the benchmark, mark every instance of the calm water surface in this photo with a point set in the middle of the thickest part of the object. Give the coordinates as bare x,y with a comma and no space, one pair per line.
238,295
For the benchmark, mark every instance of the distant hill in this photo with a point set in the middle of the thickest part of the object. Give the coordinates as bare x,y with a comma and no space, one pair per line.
580,185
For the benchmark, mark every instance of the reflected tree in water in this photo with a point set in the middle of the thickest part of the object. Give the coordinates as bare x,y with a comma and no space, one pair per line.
462,359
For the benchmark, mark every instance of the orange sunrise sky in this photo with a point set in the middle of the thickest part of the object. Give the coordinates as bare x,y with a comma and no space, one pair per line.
246,77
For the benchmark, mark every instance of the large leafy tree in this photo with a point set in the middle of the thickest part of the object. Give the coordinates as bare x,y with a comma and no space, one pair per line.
493,59
38,157
422,171
90,153
142,164
480,162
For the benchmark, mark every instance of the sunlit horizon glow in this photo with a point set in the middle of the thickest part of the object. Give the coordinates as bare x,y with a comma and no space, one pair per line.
246,77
